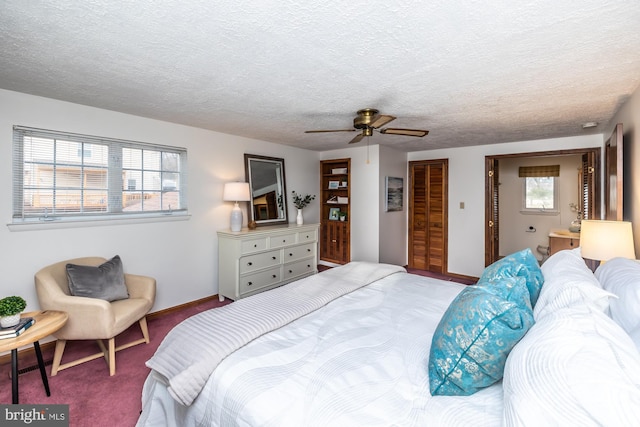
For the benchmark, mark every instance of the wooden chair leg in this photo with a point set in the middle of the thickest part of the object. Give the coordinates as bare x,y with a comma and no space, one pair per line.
112,357
57,356
145,329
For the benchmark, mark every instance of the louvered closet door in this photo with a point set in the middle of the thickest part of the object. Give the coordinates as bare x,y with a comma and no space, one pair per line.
428,216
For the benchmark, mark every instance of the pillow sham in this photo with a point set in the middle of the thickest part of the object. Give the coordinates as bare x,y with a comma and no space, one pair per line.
472,340
574,367
519,264
105,281
569,282
621,276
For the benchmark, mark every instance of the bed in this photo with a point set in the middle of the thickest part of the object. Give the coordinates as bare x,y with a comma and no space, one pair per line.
363,344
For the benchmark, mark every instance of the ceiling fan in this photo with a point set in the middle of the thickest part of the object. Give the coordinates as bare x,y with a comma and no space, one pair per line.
368,120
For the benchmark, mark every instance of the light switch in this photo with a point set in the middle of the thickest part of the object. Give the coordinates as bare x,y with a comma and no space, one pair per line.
461,205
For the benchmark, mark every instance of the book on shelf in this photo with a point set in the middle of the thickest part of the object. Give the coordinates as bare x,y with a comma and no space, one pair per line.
13,331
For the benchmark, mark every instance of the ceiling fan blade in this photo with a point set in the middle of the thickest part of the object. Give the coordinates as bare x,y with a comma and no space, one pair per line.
323,131
407,132
358,138
381,120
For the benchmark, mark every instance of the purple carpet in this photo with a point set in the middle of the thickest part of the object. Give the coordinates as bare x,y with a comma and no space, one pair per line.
95,399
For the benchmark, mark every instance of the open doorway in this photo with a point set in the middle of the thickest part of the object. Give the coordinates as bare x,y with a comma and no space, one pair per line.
587,187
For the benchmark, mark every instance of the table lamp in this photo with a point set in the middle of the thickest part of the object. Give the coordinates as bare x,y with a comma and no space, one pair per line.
603,240
236,192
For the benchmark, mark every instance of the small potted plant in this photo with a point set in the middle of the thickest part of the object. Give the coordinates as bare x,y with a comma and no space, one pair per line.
300,202
10,309
343,216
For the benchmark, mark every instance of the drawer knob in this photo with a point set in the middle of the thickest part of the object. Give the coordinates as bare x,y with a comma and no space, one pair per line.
274,276
255,245
308,250
333,241
308,265
273,257
250,283
284,240
290,271
249,263
290,254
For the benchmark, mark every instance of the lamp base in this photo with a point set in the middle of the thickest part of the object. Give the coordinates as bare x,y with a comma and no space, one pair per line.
236,218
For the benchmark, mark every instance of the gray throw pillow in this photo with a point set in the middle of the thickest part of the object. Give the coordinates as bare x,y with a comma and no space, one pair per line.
105,281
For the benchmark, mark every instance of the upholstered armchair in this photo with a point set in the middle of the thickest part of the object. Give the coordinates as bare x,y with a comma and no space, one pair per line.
93,318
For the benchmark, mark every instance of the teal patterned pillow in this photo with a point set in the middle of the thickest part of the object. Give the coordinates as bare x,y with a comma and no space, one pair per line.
475,335
519,264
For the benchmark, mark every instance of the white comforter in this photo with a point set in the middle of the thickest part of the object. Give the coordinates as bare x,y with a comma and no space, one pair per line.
191,351
358,361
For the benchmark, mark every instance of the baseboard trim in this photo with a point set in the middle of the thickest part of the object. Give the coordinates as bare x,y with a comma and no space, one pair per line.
5,359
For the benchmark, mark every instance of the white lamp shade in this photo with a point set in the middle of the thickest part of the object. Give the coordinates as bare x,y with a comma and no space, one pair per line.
604,240
236,192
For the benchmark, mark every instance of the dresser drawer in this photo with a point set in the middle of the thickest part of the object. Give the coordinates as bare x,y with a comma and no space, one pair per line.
298,252
259,261
307,236
253,245
282,240
298,268
251,282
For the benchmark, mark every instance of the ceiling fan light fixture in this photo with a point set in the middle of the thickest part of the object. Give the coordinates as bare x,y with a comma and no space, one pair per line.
407,132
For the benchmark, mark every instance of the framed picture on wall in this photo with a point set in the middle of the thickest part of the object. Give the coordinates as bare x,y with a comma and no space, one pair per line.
334,214
394,189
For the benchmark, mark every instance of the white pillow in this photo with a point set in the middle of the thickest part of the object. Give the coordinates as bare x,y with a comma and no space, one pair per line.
621,276
568,282
574,367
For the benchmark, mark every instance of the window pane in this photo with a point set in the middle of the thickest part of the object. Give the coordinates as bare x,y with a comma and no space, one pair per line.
68,152
38,150
95,178
151,160
171,162
151,180
539,193
68,177
131,158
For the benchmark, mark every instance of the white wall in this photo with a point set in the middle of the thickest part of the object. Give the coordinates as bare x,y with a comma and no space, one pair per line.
514,233
181,255
629,116
466,184
393,225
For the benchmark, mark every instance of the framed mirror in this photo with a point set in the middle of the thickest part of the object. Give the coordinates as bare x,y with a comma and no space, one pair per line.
266,178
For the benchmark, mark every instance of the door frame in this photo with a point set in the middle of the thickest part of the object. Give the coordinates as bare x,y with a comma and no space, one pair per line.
491,226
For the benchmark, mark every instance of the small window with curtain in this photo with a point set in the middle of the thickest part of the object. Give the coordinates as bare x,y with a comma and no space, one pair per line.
61,176
540,189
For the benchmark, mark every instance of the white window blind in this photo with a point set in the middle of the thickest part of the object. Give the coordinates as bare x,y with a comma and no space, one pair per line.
65,176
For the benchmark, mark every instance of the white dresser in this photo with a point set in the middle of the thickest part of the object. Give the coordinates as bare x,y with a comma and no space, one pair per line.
252,261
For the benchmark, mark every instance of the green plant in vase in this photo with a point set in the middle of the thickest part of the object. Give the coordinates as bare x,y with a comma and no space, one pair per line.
300,202
10,309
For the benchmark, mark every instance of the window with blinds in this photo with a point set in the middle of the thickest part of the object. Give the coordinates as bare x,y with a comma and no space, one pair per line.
64,176
540,189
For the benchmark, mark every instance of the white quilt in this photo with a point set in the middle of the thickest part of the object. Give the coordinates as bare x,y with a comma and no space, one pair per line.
192,350
360,360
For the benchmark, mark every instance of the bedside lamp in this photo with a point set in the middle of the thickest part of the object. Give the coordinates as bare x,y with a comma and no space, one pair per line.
604,240
236,192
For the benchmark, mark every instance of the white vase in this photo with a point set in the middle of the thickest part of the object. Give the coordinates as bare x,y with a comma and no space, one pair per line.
8,321
299,219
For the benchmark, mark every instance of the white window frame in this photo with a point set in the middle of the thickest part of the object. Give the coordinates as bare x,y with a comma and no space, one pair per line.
111,210
540,211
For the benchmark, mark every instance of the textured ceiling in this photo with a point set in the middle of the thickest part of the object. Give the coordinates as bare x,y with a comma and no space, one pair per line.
473,72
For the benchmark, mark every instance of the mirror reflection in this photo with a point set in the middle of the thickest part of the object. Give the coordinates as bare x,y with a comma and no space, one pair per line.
266,178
